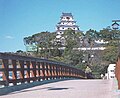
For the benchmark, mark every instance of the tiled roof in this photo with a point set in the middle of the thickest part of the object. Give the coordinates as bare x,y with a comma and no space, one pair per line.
67,14
67,26
64,31
67,21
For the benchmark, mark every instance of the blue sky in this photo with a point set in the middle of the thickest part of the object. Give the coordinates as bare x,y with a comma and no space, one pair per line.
21,18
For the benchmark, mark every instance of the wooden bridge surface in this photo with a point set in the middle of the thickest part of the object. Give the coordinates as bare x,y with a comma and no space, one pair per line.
70,89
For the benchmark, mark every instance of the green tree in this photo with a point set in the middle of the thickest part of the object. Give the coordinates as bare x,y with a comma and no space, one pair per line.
112,50
43,41
108,34
91,35
110,54
72,41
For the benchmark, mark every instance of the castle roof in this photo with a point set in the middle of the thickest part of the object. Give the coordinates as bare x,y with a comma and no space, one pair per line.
67,26
67,14
64,30
67,21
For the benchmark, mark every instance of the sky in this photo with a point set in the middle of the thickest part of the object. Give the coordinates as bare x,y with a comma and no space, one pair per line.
23,18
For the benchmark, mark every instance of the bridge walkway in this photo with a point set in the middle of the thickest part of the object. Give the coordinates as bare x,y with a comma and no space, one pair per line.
70,89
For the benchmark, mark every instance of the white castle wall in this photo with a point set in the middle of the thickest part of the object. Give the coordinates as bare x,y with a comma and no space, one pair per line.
111,71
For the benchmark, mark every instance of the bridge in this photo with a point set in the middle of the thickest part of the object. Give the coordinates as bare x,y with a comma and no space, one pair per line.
41,78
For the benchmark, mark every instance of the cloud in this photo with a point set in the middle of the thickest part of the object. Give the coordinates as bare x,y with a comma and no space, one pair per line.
9,37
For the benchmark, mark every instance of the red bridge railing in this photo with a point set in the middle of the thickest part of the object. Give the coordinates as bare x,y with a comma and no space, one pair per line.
15,69
117,72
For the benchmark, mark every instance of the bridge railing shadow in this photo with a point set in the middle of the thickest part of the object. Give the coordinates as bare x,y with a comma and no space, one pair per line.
24,87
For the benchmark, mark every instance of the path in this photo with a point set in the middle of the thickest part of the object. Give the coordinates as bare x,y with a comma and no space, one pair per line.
69,89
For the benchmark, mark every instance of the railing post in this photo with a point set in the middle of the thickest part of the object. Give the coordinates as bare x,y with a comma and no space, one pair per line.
62,72
60,69
56,70
67,71
50,65
33,70
14,72
5,65
53,71
117,72
47,73
43,71
21,64
28,71
38,70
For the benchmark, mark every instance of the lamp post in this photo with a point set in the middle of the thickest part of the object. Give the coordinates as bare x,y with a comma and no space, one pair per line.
115,26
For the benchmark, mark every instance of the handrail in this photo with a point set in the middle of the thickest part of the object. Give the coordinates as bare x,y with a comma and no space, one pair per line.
117,71
18,69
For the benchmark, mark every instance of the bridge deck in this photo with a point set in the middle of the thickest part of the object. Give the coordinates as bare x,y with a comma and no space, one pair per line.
69,89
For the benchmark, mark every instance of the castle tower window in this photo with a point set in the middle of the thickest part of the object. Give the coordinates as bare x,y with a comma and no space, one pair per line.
68,18
68,28
62,28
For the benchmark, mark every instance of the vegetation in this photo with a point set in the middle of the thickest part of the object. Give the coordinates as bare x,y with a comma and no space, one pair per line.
50,47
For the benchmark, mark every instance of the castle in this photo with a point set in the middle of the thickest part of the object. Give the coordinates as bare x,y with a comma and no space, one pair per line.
66,22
